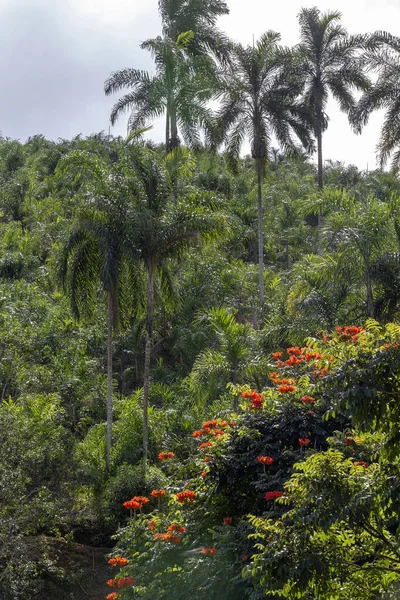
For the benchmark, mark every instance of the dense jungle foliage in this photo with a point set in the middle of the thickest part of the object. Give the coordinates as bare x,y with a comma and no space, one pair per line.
200,366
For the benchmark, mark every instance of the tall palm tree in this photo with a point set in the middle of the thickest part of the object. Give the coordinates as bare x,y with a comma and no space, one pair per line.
383,56
179,89
200,17
95,252
331,65
162,226
184,78
258,92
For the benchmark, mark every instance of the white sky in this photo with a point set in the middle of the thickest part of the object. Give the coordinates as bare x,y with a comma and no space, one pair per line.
56,54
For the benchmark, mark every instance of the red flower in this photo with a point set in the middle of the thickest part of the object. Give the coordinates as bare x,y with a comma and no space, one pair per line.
205,445
158,493
152,525
227,520
285,389
245,556
273,495
125,582
304,441
294,351
197,433
186,495
308,400
166,455
111,582
118,561
112,596
176,528
208,551
277,355
136,503
265,460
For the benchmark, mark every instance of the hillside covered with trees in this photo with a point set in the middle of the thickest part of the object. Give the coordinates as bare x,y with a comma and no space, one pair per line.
200,365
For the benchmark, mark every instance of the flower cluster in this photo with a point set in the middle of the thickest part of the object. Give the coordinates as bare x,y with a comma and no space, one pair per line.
118,561
304,441
349,333
136,503
122,582
186,495
265,460
158,493
166,455
167,537
307,400
360,464
176,528
273,495
205,445
208,551
256,399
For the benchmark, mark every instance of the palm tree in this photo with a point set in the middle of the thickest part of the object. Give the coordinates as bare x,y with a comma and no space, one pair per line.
179,89
95,252
162,227
184,78
233,357
383,56
200,17
331,65
258,93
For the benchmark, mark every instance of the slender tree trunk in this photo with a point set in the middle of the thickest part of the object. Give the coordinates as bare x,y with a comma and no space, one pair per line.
320,184
147,356
287,254
174,130
370,299
167,133
109,376
260,235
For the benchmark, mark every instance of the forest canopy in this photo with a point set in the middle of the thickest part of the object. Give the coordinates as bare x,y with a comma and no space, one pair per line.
200,365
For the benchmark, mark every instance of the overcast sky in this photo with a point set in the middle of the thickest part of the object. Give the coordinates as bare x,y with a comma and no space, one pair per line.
56,54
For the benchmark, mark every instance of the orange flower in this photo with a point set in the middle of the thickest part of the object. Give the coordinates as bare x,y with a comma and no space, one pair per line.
286,389
166,455
208,551
132,504
277,355
186,495
118,561
125,582
176,528
152,525
265,460
308,400
197,433
112,596
158,493
218,432
111,582
294,351
205,445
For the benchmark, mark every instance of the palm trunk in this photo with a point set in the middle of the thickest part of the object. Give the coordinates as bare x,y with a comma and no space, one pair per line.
109,376
370,299
320,184
167,133
147,356
260,234
174,143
